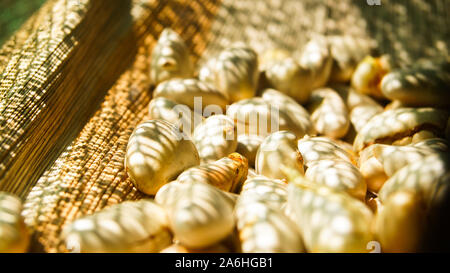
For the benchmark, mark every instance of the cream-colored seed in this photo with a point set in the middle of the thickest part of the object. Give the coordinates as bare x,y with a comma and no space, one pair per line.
292,116
271,192
196,94
199,214
347,52
131,226
372,169
316,57
400,223
420,177
261,223
248,147
360,115
340,175
255,116
279,147
227,173
329,113
156,153
320,148
170,58
290,78
368,75
329,221
419,86
215,138
234,72
378,162
399,125
179,115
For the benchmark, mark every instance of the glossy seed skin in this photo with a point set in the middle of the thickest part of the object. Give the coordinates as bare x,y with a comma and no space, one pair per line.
179,115
261,223
156,153
215,138
329,221
290,78
234,72
131,226
419,86
321,148
170,58
368,75
316,57
395,124
340,175
347,52
248,147
329,113
421,178
293,116
192,92
400,223
199,214
378,162
227,173
14,236
255,116
280,147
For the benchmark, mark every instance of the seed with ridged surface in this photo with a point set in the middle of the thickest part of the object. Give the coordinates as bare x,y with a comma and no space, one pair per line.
347,52
316,57
290,78
227,173
261,223
340,175
419,85
234,72
170,58
320,148
179,115
278,150
293,116
131,226
393,126
199,214
156,153
329,221
191,92
329,113
215,138
420,177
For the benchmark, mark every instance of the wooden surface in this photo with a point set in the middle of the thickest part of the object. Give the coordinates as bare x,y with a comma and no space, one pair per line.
70,98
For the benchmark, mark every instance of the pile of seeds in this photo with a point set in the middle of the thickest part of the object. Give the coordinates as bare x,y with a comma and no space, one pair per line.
334,151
